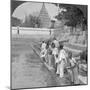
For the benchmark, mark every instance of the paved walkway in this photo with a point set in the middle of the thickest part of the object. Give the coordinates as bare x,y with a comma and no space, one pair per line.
27,69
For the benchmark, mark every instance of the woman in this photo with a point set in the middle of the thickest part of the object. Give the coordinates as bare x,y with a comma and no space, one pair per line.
61,61
53,58
55,55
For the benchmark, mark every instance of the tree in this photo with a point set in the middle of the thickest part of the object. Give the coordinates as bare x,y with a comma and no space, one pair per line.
15,21
72,15
31,21
84,23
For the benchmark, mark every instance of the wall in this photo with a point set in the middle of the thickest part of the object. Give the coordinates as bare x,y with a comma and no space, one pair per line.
32,31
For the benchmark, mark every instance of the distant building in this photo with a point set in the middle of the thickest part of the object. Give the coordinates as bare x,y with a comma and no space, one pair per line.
46,17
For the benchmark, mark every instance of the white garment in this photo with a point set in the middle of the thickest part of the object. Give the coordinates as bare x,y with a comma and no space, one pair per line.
72,61
43,53
62,55
55,52
56,60
61,63
56,43
61,67
43,46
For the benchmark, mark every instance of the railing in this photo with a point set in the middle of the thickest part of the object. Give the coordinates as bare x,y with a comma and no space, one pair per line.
24,30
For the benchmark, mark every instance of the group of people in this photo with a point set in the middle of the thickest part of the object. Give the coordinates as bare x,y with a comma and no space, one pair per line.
53,53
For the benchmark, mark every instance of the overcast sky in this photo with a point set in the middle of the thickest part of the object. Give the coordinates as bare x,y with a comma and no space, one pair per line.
34,9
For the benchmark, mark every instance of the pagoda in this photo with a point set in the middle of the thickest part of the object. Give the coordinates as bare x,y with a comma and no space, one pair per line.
44,18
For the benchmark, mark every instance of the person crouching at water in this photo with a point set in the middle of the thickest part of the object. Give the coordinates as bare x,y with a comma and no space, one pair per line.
73,69
61,61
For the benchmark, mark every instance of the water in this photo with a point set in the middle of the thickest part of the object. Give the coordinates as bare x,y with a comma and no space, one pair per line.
27,69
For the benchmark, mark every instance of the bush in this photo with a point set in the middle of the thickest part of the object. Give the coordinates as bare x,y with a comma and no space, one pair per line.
84,55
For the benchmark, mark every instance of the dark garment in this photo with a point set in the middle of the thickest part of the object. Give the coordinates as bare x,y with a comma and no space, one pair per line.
56,67
49,59
53,61
49,56
74,75
43,59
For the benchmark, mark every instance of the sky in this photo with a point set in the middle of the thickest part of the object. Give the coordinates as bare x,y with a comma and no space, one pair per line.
34,8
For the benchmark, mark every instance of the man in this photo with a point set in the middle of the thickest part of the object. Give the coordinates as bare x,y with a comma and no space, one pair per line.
61,61
73,69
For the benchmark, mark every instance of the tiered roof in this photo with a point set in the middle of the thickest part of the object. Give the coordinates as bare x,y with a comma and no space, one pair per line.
44,17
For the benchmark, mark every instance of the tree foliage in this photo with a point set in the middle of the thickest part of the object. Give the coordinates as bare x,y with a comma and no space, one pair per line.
31,21
73,15
15,21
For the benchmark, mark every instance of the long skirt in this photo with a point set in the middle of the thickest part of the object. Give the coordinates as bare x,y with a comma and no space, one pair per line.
49,60
60,69
56,62
53,61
